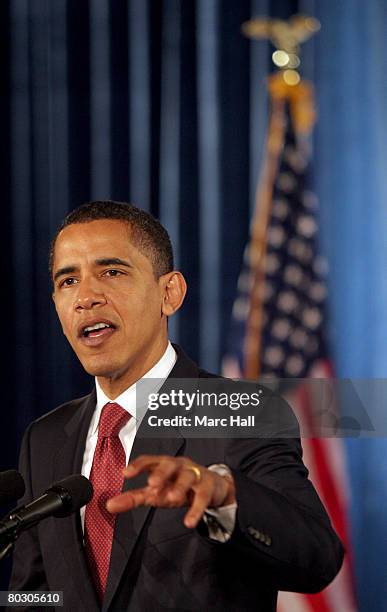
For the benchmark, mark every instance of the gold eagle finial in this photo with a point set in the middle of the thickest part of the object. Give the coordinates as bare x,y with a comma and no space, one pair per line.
286,36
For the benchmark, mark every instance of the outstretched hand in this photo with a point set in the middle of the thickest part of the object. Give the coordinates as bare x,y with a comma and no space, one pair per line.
174,482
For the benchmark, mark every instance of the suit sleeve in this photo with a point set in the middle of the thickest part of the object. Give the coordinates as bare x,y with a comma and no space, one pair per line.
280,521
282,530
27,570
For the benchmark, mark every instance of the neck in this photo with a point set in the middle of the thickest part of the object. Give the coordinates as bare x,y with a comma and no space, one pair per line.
114,385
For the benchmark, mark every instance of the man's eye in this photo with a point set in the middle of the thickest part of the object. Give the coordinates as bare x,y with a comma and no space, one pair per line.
113,272
67,282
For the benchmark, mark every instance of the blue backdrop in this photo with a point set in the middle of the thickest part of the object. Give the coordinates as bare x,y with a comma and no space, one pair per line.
351,153
164,104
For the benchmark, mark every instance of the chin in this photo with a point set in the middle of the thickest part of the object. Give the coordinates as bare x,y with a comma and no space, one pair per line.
96,367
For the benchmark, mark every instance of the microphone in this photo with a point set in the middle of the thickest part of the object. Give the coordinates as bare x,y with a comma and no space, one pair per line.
60,500
11,486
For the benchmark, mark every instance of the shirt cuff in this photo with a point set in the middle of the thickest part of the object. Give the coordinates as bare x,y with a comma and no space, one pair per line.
220,521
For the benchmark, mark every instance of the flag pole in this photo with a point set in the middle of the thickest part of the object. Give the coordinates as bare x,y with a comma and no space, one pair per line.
258,244
284,86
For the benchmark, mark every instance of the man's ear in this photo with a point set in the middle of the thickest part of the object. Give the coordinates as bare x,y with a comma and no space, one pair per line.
174,289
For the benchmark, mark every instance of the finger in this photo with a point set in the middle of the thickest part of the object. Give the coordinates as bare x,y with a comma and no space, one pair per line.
183,484
201,501
164,472
127,501
141,464
148,496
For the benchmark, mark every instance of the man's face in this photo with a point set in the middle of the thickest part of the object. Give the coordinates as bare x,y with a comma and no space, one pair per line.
108,300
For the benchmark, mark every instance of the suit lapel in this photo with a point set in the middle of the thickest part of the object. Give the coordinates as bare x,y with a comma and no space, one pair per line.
130,524
68,461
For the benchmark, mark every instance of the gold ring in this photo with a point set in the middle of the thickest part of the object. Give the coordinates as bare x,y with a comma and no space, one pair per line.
196,471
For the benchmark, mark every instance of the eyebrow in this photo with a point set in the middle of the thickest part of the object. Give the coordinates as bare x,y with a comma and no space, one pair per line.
65,270
113,261
104,261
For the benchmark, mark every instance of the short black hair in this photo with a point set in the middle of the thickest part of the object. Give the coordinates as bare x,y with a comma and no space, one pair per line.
147,233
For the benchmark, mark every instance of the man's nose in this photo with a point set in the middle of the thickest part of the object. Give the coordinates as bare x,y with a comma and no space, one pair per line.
89,296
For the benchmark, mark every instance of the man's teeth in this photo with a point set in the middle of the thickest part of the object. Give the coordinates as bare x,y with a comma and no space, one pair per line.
95,327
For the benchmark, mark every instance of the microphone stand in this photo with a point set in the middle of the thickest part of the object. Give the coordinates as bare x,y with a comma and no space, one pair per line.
9,531
7,549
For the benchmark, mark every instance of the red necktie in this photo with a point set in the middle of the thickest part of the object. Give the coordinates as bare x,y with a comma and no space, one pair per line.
107,480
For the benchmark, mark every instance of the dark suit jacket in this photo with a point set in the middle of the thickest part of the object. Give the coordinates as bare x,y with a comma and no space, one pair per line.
283,539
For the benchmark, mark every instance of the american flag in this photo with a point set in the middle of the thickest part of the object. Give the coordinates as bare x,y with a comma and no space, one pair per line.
279,315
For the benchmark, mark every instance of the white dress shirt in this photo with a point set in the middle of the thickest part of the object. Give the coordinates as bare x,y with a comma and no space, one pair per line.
225,516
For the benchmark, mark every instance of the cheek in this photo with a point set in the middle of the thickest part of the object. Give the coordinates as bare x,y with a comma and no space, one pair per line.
65,328
138,305
63,316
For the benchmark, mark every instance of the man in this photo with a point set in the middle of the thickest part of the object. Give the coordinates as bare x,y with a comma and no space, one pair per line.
218,524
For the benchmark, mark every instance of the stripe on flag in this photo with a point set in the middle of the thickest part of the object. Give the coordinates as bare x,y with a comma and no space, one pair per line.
279,314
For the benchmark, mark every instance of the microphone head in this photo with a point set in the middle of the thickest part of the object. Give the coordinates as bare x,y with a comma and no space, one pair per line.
11,486
75,491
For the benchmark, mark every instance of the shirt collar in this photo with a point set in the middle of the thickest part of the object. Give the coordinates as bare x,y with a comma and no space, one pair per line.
127,399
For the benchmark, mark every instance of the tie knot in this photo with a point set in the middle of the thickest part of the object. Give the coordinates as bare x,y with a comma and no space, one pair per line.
113,418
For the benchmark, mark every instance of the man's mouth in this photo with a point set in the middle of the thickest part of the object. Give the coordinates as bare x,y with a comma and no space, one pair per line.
95,333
